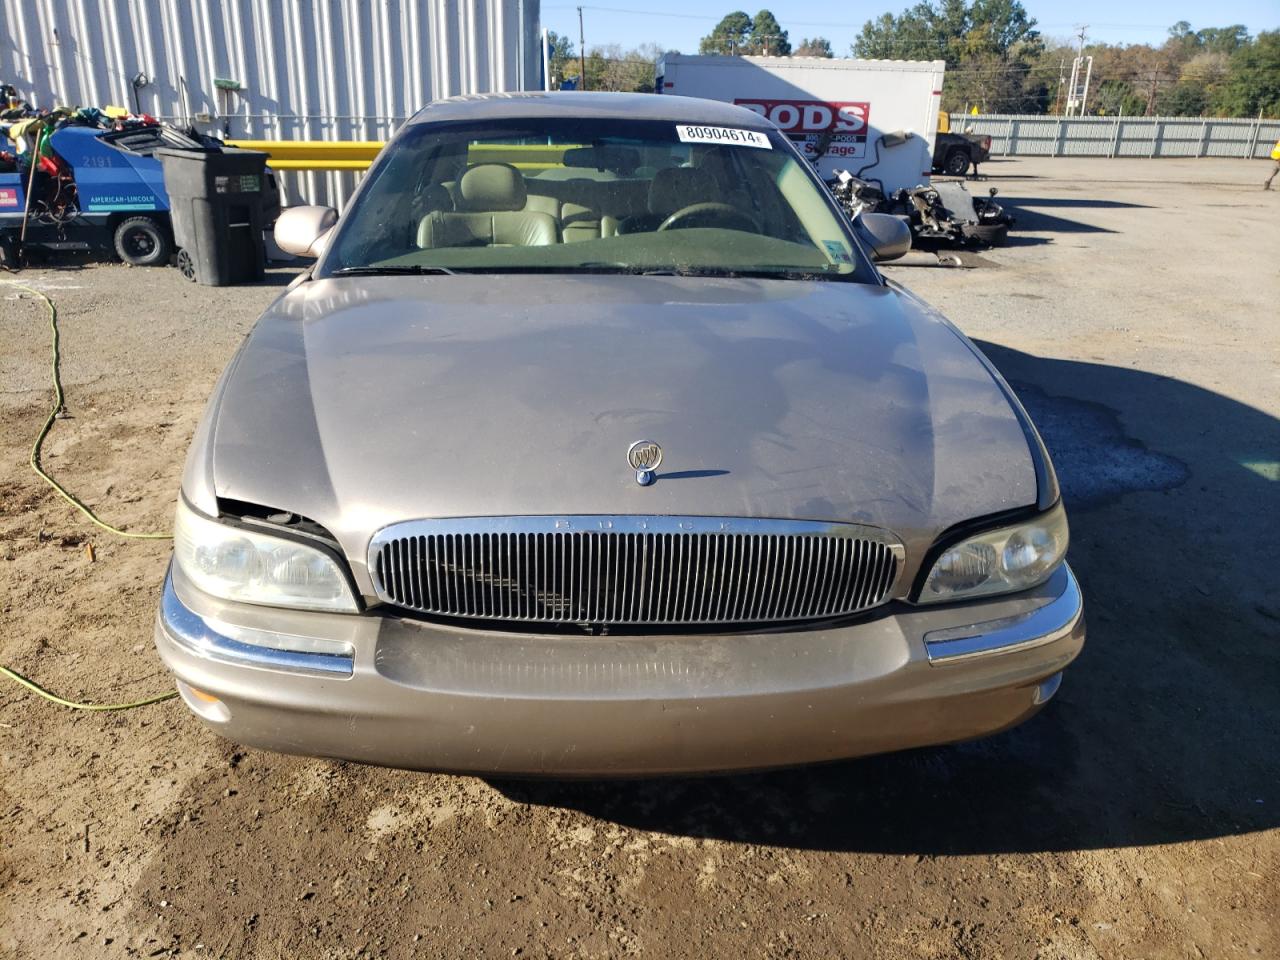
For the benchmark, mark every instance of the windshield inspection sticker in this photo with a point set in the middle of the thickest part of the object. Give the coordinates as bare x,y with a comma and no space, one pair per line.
837,252
738,138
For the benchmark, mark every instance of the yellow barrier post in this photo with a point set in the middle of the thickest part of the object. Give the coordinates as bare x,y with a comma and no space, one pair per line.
358,154
314,154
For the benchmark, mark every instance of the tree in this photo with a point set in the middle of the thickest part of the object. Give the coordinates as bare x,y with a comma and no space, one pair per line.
767,36
1005,24
1183,99
610,67
990,46
1223,39
738,34
562,54
950,30
1182,33
1115,98
1184,43
1207,68
995,84
1198,83
1252,83
729,36
815,47
909,36
1218,71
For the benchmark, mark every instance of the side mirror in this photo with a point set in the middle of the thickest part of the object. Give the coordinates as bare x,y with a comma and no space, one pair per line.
304,231
889,237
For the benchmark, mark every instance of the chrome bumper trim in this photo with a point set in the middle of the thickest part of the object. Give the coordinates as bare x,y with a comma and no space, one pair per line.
1044,625
192,632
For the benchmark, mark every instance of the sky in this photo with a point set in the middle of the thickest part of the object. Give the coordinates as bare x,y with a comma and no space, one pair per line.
679,24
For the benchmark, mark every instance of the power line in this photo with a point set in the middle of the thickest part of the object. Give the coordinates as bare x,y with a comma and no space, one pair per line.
962,72
1026,66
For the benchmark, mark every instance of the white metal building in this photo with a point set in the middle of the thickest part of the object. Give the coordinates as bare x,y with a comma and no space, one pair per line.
304,69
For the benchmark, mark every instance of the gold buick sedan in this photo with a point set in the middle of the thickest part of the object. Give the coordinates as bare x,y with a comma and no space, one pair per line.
594,444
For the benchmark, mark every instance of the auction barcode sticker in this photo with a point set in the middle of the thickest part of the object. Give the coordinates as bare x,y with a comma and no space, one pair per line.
738,138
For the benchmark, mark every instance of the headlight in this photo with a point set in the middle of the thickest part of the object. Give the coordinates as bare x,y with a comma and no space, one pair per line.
237,563
1003,561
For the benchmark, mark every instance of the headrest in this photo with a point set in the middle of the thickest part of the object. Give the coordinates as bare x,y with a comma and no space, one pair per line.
492,186
437,197
678,187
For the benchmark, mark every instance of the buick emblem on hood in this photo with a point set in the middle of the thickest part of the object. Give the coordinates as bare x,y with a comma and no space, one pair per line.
644,457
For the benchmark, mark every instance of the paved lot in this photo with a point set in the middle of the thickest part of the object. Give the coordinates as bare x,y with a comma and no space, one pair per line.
1139,815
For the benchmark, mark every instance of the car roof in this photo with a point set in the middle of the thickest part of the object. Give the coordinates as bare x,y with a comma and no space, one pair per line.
601,106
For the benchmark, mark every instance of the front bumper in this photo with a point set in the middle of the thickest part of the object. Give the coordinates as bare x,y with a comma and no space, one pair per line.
429,696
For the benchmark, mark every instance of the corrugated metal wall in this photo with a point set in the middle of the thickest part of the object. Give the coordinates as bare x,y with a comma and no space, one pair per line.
1044,136
310,69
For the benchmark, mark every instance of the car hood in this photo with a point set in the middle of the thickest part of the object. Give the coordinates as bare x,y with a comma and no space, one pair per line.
358,402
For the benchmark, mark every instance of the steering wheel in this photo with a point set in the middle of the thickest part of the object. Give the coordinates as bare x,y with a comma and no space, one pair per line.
710,215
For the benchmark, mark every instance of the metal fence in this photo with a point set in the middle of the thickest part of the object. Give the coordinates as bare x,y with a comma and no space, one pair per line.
1033,135
270,69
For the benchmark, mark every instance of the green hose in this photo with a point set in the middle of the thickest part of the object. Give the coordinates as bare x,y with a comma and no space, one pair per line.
66,494
95,707
79,505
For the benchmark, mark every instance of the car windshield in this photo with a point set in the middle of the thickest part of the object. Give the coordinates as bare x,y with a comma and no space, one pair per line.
593,196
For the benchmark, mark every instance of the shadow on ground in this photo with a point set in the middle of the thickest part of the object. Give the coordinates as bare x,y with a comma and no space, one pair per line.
1031,219
277,274
1079,202
1165,729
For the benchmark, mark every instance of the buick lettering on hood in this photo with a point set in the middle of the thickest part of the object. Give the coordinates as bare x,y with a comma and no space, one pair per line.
593,443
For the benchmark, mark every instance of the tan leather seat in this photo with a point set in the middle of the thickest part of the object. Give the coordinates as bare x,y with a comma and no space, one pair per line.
541,203
579,220
582,223
491,200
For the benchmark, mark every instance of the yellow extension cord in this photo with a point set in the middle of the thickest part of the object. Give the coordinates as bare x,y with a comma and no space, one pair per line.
79,505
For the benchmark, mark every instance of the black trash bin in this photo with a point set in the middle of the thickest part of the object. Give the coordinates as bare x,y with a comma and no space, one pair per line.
217,204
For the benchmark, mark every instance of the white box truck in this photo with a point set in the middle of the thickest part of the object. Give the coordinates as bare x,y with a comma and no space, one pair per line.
878,117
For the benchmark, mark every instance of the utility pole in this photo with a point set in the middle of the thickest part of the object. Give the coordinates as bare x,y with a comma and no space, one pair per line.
582,54
1081,73
1062,82
1088,75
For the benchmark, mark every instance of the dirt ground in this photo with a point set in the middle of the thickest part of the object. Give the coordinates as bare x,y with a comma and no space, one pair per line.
1136,312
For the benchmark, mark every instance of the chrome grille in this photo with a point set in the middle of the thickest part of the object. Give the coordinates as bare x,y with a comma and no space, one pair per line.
633,570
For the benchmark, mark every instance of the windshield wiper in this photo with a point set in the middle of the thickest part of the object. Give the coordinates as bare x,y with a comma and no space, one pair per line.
598,267
735,273
731,273
404,269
